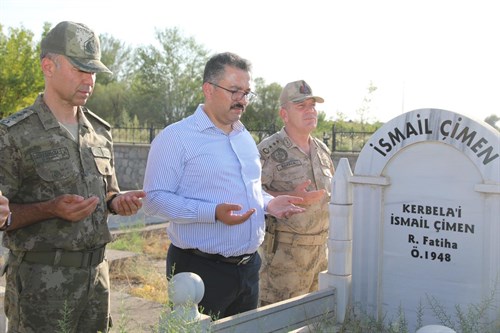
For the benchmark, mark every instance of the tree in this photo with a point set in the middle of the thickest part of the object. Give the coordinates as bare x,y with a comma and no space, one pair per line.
111,102
323,130
263,113
117,56
363,111
21,78
167,82
111,97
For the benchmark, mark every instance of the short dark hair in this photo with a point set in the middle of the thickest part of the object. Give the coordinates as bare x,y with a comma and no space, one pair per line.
215,66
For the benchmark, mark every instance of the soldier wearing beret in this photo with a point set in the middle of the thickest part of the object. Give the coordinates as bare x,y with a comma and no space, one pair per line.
58,174
295,163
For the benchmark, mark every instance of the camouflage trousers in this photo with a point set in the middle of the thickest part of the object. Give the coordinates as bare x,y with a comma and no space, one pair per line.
290,270
43,298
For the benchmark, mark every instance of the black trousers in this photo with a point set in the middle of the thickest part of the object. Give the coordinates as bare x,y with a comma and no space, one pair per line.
229,288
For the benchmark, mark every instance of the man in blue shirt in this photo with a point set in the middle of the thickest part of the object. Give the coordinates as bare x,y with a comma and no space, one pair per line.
203,175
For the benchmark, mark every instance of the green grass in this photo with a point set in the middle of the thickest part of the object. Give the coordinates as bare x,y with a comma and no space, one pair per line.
471,319
141,273
131,241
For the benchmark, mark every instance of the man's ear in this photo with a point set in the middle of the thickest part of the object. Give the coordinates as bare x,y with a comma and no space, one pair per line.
208,90
284,114
48,66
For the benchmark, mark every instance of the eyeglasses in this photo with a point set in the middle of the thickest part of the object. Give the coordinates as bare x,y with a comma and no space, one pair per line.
236,95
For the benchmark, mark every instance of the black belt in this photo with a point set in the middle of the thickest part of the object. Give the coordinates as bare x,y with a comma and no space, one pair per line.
238,260
81,259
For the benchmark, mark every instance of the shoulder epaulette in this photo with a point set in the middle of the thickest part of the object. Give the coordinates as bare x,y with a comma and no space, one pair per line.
270,144
93,115
16,117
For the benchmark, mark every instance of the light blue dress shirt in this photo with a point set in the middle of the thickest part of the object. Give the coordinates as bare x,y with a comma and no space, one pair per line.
192,167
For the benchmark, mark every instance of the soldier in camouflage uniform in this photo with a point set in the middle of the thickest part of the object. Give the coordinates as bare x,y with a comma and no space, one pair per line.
295,163
58,173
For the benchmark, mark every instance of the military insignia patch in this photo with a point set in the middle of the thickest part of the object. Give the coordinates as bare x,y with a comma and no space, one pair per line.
50,155
287,142
289,164
16,117
279,155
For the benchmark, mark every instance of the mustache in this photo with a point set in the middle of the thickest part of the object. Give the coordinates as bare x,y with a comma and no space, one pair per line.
237,106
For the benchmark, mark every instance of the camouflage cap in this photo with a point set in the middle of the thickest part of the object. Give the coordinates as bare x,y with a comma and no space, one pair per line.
297,91
78,43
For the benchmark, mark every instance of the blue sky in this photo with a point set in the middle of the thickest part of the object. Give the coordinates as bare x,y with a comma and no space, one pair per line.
419,54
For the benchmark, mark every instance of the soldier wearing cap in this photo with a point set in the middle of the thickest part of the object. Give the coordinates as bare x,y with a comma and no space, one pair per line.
295,163
58,174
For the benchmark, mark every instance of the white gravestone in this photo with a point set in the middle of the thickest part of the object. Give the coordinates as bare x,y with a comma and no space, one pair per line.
426,217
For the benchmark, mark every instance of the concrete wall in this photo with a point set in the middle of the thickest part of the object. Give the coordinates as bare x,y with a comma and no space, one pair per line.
351,157
130,163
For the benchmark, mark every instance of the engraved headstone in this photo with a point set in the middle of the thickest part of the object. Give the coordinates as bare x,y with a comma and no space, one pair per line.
426,218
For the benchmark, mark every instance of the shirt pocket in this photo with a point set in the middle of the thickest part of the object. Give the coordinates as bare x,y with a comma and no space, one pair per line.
102,158
55,165
287,180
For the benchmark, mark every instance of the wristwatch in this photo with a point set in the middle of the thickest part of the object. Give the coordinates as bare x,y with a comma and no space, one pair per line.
7,222
108,203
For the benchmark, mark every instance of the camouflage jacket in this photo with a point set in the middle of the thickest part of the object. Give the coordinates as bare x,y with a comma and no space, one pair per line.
40,161
285,165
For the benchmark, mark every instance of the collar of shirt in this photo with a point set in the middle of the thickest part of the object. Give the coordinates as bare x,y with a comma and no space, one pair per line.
203,121
49,120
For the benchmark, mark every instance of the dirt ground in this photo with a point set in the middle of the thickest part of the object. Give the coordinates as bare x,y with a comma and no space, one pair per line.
131,313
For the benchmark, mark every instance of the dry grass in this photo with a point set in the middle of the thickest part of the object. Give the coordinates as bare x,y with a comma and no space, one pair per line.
144,274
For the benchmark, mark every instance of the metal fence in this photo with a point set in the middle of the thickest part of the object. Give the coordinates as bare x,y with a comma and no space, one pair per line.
147,134
135,134
342,140
348,141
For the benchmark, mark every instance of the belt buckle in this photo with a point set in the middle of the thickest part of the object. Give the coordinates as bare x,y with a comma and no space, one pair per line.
244,260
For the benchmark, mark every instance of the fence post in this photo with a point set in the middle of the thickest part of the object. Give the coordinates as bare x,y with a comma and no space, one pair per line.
151,133
334,139
326,137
